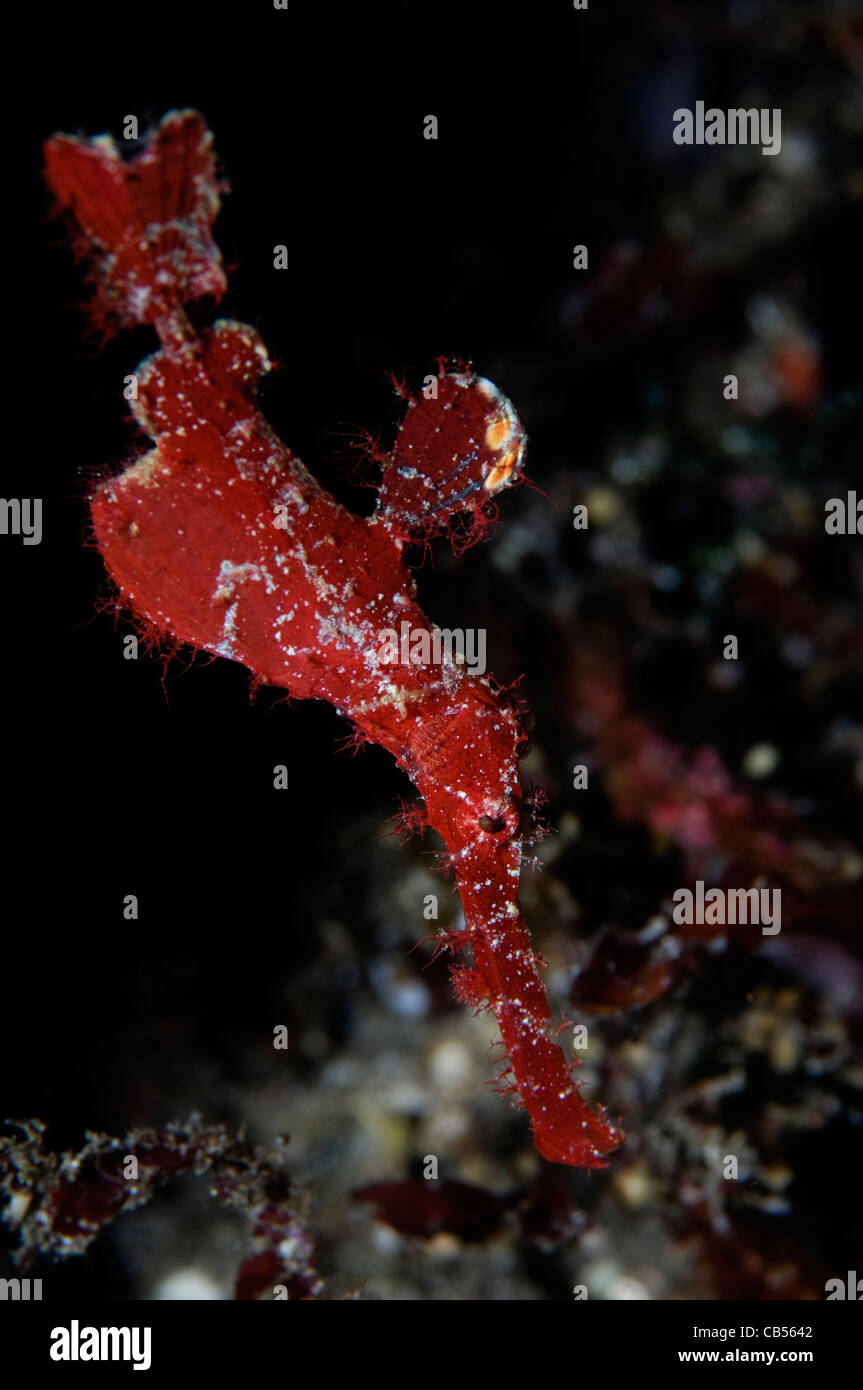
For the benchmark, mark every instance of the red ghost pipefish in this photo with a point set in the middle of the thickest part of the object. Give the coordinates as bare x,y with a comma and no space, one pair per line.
284,579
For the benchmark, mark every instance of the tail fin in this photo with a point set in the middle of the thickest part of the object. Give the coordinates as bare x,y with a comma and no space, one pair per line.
146,222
